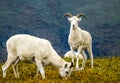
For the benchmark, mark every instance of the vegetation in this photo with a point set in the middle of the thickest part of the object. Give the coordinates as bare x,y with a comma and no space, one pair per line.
106,70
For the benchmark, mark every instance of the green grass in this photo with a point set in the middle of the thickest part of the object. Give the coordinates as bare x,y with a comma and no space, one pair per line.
106,70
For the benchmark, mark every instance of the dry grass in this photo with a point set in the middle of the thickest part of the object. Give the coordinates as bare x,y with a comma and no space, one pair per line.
106,70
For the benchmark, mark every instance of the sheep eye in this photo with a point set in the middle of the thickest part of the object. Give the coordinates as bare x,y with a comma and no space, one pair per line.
67,72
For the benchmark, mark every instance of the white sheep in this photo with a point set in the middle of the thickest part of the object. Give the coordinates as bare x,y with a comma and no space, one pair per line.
79,39
69,54
23,47
77,56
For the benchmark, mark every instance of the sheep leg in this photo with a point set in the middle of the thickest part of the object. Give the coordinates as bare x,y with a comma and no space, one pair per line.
77,62
84,58
83,62
84,54
15,68
37,71
91,56
72,54
40,66
6,65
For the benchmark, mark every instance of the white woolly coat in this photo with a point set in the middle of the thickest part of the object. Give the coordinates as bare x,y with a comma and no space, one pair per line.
79,37
35,47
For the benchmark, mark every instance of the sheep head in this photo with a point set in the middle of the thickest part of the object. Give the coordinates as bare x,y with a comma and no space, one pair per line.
74,19
66,70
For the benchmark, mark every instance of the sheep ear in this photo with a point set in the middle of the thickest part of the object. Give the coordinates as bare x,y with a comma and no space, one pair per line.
80,19
65,65
68,18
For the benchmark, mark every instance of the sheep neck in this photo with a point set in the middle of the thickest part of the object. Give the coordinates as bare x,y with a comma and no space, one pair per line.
57,61
75,33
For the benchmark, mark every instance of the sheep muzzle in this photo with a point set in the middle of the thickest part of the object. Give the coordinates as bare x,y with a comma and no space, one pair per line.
74,28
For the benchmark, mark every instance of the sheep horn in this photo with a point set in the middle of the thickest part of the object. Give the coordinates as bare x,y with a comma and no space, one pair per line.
68,14
80,14
72,65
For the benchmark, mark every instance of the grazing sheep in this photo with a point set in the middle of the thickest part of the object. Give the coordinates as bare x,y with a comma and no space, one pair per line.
79,39
69,54
29,48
